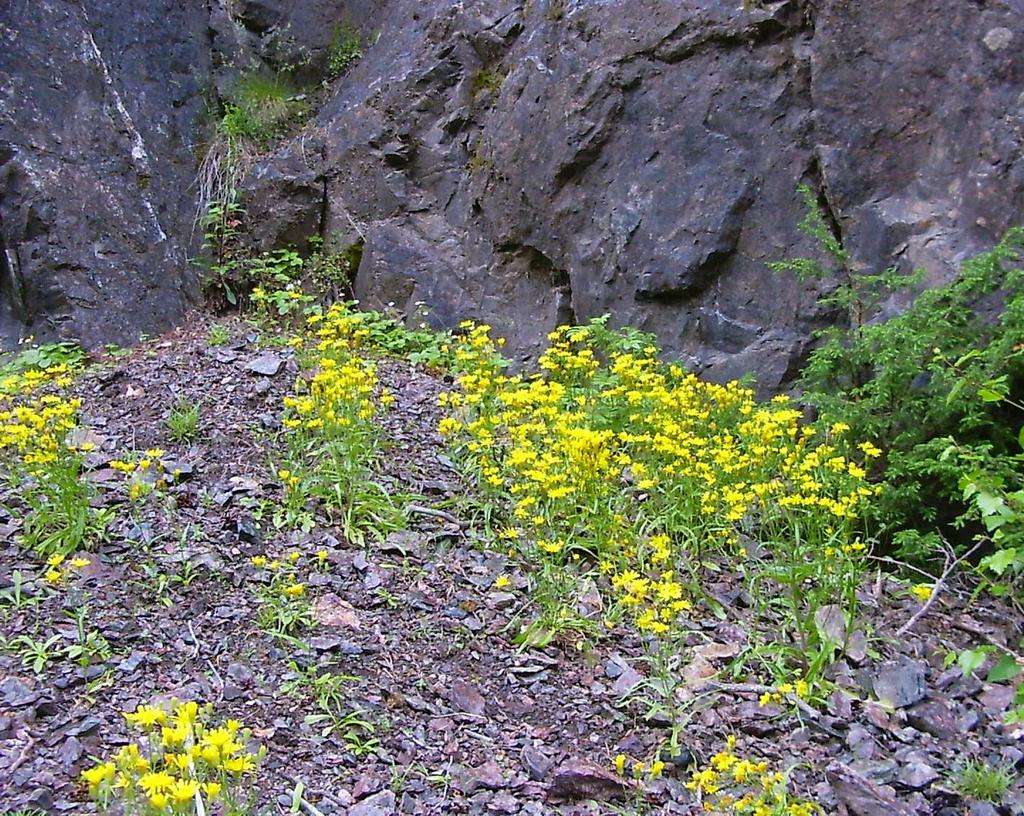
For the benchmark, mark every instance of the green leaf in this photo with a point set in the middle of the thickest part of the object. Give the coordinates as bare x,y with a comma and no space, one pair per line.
1020,436
972,659
1004,669
989,503
988,395
1000,561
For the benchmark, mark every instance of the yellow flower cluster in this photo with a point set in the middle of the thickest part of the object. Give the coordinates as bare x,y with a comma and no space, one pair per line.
730,784
34,426
605,442
283,573
339,327
800,687
185,760
340,395
144,473
656,603
56,564
639,770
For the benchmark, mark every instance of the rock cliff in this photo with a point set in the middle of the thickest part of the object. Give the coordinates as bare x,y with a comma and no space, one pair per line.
522,162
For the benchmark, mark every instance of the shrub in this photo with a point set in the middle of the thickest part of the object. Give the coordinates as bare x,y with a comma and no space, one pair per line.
911,383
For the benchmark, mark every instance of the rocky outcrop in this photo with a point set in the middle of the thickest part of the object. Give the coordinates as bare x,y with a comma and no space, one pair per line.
527,163
530,162
98,105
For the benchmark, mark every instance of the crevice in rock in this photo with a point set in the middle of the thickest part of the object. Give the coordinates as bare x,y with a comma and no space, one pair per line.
12,286
817,182
325,208
687,40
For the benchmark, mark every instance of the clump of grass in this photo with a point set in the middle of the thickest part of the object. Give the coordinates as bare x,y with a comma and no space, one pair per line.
976,779
183,421
260,107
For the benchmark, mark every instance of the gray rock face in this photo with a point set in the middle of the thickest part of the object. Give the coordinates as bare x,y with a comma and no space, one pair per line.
98,103
525,162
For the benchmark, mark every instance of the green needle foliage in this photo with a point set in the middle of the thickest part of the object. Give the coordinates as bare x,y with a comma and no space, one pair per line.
911,384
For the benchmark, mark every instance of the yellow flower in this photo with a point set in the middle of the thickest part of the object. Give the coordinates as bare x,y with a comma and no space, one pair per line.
501,582
922,591
180,761
211,754
146,716
55,560
53,576
869,450
156,782
620,763
98,774
184,790
295,590
79,563
212,789
186,713
240,764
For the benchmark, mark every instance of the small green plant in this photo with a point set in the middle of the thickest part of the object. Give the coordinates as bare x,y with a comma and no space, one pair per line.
67,355
978,780
183,421
330,692
994,499
15,598
157,584
284,607
332,267
224,259
218,335
35,654
345,50
89,646
485,80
